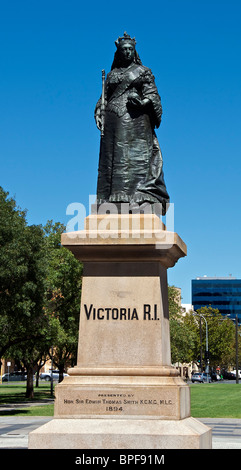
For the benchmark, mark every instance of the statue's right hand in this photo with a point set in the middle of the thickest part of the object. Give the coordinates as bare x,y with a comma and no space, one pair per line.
98,119
98,122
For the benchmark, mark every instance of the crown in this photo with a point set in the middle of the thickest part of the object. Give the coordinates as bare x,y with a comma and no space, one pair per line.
125,37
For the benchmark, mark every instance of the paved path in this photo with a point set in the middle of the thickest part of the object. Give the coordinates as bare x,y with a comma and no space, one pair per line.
14,431
226,432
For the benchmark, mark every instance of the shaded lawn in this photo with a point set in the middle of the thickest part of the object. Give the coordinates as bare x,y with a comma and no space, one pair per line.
14,393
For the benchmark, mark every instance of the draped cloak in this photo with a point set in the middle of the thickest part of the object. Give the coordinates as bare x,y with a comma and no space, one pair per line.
130,162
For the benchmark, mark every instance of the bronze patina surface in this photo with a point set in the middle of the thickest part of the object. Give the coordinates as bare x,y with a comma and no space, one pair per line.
130,161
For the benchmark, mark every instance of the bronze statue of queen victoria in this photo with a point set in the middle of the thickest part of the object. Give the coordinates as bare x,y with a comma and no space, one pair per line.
130,162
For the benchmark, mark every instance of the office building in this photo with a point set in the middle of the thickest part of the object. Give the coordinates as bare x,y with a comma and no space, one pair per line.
223,293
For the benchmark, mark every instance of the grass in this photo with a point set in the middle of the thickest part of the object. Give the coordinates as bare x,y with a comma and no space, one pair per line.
14,393
43,410
216,400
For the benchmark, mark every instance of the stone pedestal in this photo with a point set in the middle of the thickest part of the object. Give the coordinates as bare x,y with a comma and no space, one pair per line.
123,393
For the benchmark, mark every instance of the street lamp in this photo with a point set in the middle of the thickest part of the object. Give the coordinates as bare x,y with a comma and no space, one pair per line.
206,352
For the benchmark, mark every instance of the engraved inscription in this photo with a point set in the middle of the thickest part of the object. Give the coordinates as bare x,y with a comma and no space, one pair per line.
119,403
87,401
149,312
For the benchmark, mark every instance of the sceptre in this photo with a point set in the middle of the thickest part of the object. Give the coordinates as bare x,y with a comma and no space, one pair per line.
102,108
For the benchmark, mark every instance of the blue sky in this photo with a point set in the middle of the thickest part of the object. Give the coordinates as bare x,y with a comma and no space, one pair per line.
52,54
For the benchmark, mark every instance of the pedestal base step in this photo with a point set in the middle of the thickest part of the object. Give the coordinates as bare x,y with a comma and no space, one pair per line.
187,433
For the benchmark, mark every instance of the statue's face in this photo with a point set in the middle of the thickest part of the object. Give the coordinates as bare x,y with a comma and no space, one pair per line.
127,52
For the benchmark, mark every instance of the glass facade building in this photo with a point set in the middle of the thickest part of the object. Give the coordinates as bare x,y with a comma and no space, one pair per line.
221,293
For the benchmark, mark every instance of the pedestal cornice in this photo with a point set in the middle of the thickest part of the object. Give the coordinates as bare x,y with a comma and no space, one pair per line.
127,238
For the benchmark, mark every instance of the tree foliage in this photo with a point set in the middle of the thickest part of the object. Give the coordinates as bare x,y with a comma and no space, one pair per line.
221,336
40,287
63,291
22,276
185,335
181,336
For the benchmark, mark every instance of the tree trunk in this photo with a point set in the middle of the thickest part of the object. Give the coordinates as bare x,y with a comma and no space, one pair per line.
61,372
29,389
37,379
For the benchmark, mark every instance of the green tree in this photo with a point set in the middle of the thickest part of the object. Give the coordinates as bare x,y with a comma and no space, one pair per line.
63,291
22,276
40,287
221,336
181,335
33,353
